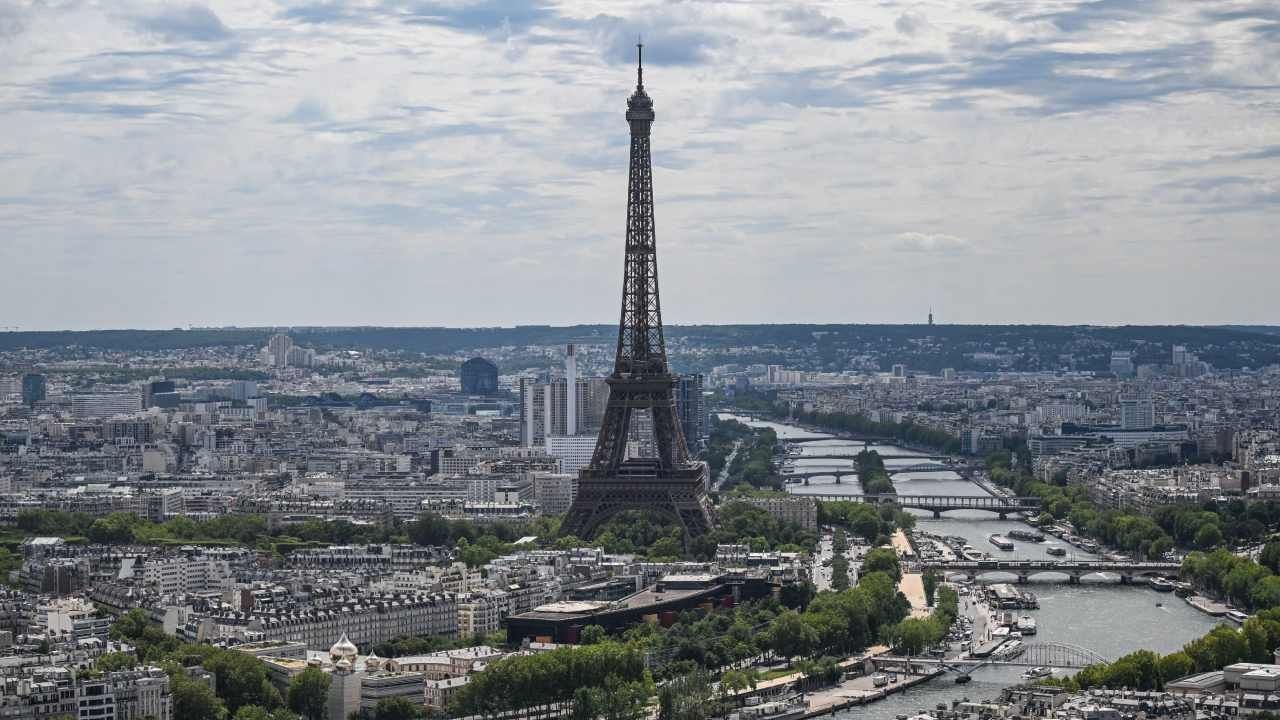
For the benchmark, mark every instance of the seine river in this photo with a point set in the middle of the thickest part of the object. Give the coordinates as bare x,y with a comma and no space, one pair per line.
1097,614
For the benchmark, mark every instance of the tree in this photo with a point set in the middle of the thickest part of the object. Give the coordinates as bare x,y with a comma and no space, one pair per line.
914,635
194,700
1208,537
242,680
1270,556
790,636
308,694
113,661
1174,666
396,708
883,560
593,634
930,581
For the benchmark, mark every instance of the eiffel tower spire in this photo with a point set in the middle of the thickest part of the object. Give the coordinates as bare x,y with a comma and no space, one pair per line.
669,483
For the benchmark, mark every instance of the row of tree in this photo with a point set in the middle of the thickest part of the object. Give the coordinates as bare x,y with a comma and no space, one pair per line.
1247,583
590,675
1222,646
872,475
476,544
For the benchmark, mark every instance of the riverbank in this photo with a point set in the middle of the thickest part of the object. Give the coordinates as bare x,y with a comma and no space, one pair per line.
860,691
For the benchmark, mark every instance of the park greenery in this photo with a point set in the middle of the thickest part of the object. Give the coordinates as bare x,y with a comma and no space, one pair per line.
475,543
839,563
914,635
724,435
908,433
605,678
872,475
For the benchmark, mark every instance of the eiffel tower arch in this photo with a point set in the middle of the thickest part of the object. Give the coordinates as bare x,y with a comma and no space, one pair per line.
670,483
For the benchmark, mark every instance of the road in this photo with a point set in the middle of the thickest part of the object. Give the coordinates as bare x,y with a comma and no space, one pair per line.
728,462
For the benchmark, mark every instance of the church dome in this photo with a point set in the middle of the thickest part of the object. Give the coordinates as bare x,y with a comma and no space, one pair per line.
344,648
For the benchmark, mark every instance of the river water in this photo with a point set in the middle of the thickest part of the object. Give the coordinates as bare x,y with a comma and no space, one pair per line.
1098,614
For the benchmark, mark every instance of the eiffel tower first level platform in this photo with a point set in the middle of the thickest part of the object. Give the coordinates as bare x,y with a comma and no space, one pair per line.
677,497
670,483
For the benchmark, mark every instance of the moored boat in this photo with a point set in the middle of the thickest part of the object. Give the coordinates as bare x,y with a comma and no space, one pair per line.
1001,542
1027,625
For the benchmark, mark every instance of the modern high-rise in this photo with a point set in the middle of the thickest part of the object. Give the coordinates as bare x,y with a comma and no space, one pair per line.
1137,412
278,347
105,404
544,408
34,388
1122,363
243,389
691,405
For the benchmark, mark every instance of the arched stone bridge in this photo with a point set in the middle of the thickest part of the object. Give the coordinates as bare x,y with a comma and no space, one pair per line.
1072,570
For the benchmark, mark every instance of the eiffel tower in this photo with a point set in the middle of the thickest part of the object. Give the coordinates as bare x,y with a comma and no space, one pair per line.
670,483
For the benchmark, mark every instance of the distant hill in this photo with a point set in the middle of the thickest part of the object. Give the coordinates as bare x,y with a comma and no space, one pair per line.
814,347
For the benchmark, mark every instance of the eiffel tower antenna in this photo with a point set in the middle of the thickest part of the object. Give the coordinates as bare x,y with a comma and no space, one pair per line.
670,483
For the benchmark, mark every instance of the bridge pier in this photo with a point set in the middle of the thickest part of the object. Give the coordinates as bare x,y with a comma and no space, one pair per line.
1073,579
937,514
1004,516
1126,579
1023,578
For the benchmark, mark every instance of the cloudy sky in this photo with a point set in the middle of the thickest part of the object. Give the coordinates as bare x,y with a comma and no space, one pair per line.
464,163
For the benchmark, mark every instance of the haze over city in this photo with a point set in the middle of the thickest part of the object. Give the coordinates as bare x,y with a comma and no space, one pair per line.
464,164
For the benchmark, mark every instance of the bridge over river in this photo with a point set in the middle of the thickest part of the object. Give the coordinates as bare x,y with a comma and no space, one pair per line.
809,471
938,504
1072,570
1040,654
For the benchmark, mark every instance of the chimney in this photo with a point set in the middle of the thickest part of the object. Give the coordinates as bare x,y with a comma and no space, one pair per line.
571,392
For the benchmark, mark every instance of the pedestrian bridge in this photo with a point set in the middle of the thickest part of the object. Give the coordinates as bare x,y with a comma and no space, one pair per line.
1037,654
1071,570
938,504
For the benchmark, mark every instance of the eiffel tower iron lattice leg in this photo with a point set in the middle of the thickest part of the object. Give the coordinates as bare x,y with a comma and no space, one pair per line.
670,483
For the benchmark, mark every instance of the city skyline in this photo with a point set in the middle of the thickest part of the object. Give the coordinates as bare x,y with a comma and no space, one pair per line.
461,165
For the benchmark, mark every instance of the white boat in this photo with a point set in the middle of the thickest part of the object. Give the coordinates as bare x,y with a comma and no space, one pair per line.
1037,672
1009,650
1160,584
1027,625
1236,616
1056,551
772,711
1001,542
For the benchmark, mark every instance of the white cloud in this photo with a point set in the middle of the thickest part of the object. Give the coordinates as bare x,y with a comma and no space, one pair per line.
361,161
933,243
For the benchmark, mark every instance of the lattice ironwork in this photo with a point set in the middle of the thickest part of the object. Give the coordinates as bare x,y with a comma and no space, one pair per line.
670,482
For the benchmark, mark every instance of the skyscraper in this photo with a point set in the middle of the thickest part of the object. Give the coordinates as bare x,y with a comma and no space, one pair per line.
669,483
278,347
34,388
692,407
